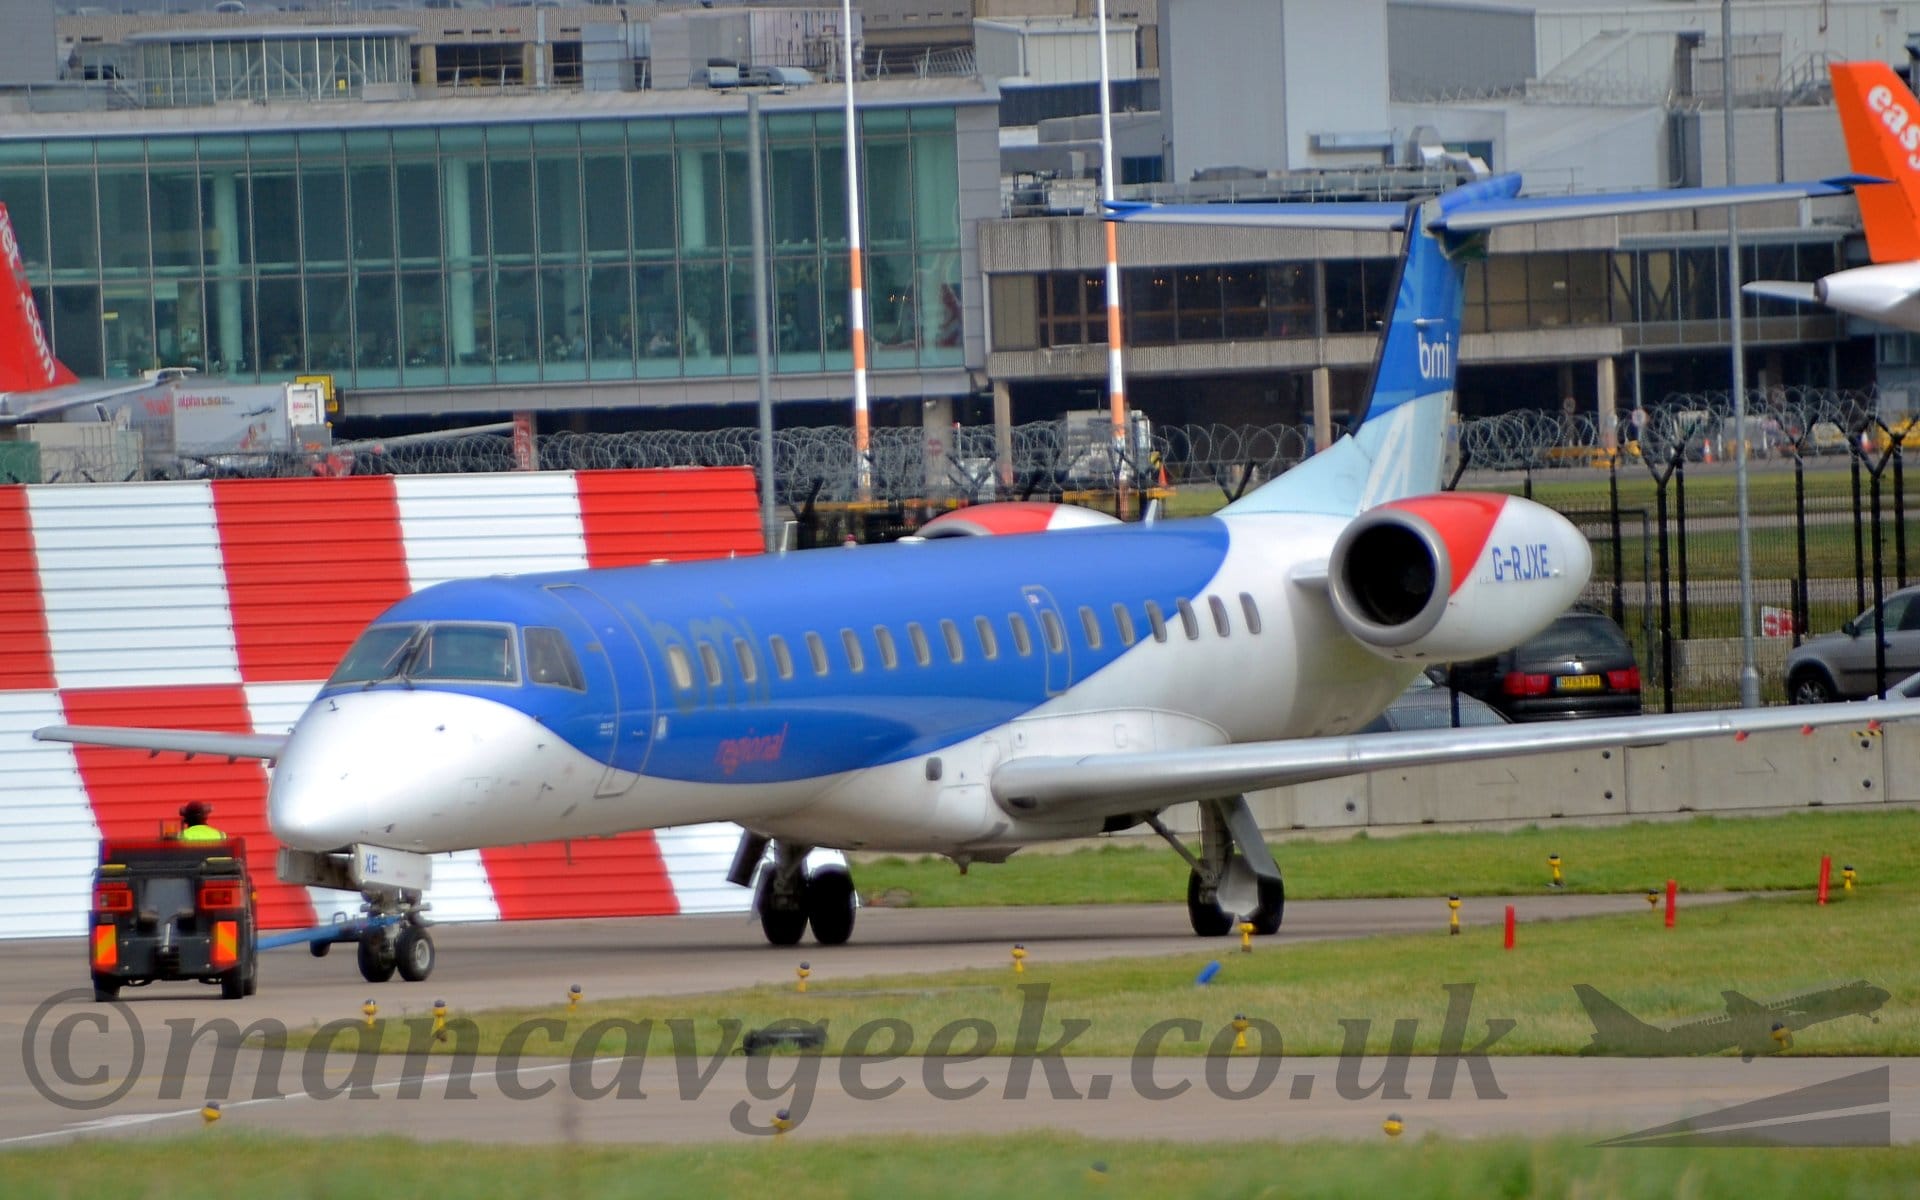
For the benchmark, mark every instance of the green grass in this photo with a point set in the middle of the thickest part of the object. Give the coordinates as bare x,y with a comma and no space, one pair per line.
799,1167
1768,949
1703,853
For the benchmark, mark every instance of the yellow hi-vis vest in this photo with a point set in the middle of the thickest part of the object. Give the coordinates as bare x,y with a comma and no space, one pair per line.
202,833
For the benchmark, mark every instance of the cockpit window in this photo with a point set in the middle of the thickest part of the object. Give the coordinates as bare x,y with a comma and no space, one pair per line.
469,652
550,660
378,654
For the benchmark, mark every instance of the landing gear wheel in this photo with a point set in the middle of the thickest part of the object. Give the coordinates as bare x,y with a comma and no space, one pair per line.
377,960
1209,919
414,954
319,949
105,989
831,905
782,920
1273,897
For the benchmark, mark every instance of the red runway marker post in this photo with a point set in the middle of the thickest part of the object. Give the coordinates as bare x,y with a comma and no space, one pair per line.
1509,926
1673,901
1826,875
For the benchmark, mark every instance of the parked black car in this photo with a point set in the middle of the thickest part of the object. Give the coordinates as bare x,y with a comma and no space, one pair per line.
1579,666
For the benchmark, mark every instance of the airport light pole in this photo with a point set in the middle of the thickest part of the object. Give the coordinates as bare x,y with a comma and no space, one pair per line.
1749,672
757,214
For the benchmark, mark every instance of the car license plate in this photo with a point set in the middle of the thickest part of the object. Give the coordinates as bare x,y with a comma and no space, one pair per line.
1577,683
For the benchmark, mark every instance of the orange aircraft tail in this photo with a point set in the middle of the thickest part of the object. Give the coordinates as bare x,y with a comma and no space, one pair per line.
27,363
1881,121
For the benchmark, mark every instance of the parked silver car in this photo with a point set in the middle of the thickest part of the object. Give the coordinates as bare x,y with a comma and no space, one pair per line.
1840,666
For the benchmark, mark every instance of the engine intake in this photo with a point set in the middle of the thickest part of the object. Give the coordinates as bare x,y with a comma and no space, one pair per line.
1454,576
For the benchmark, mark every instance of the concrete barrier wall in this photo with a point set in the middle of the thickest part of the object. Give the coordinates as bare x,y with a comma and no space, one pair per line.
1831,767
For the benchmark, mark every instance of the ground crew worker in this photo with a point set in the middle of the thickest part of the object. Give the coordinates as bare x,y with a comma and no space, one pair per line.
193,822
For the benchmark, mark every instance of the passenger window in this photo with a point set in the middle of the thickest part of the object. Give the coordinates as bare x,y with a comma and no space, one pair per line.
1090,625
918,636
743,654
1189,623
1050,628
679,668
550,660
989,645
1123,621
817,651
951,633
782,657
1251,611
850,642
1221,625
710,661
1158,620
1022,640
883,638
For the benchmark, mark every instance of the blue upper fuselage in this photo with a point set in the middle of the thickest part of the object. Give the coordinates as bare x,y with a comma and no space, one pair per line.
709,672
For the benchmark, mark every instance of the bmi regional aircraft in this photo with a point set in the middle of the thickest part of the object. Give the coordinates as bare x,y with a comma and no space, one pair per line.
971,695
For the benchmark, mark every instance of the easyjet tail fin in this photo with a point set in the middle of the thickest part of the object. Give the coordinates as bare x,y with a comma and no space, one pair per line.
1881,121
27,363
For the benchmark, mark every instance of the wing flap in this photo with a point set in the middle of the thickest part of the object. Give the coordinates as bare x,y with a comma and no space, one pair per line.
1067,787
182,741
1781,289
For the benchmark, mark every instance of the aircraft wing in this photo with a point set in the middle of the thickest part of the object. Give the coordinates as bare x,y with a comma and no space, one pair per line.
1781,289
18,408
182,741
1110,784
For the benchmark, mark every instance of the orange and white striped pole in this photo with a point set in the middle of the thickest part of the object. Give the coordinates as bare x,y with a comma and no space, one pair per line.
857,300
1116,375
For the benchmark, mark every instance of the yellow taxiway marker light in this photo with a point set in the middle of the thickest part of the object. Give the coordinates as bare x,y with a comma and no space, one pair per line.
1240,1024
1781,1034
800,974
370,1010
1553,860
1846,879
1453,916
1019,959
439,1020
1097,1172
574,996
1246,937
1653,899
1392,1126
210,1111
782,1122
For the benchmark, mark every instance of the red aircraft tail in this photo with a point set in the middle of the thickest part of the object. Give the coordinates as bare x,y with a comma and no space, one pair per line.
1881,122
27,363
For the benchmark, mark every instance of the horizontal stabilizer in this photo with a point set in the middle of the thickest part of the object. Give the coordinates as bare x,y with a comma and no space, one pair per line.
1781,289
1067,787
1493,213
1361,216
181,741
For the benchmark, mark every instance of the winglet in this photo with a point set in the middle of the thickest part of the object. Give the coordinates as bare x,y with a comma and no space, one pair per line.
1881,121
27,363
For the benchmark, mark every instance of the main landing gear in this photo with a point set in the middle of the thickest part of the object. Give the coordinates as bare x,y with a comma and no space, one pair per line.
789,898
1235,878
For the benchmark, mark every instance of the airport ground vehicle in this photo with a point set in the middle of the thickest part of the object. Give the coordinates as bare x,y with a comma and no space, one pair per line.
168,909
1842,666
1579,666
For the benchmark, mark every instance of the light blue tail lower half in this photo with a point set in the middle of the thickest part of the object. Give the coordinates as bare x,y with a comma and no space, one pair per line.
1400,447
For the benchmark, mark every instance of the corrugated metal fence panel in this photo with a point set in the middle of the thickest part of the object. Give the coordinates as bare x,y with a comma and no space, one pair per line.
52,843
634,518
133,585
309,563
223,606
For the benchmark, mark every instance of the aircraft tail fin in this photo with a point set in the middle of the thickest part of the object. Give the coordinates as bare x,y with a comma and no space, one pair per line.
1398,448
1739,1005
1881,121
27,363
1613,1025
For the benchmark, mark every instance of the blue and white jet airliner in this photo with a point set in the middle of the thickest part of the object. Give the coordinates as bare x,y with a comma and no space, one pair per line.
971,695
